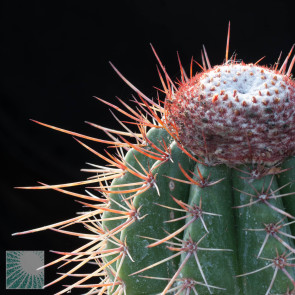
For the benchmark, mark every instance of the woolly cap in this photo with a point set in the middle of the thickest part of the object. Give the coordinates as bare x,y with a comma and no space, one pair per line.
236,113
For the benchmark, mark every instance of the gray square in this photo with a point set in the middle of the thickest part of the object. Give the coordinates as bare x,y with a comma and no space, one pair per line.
21,269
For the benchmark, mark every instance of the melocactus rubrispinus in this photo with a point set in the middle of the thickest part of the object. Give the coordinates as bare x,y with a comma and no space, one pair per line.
200,199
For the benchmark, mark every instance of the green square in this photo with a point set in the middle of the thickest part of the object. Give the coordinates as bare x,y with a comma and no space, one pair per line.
21,269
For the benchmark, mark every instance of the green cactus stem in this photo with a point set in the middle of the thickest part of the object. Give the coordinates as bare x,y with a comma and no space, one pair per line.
217,232
286,181
262,234
154,205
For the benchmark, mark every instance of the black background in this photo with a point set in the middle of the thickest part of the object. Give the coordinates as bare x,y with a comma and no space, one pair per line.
54,59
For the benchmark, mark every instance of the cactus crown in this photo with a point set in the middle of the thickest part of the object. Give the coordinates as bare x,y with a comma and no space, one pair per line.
236,113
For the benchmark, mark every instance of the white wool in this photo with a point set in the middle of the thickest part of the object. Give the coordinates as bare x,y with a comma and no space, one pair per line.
244,82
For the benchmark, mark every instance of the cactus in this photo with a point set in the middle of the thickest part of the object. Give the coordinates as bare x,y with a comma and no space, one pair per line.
198,200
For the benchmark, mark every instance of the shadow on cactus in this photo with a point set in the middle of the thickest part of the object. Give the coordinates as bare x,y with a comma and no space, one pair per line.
199,200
